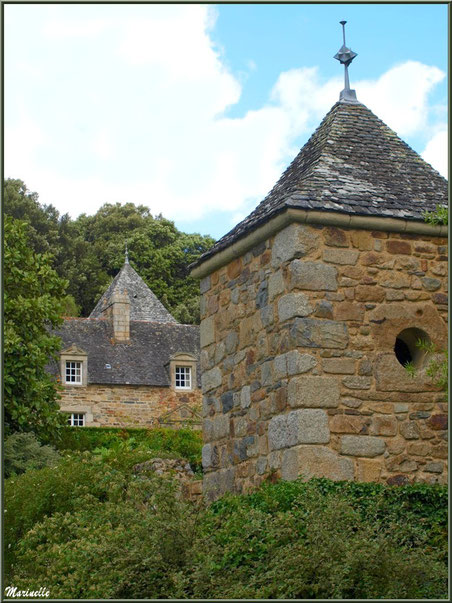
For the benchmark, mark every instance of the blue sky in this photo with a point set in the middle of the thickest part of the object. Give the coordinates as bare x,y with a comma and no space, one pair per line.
195,110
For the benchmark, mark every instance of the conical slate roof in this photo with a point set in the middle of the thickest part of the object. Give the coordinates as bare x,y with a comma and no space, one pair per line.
144,305
352,164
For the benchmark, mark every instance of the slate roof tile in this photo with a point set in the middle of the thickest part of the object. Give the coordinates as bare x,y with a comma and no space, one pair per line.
144,305
141,361
352,164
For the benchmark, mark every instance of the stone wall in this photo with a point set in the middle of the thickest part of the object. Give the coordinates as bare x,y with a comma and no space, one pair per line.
132,405
299,371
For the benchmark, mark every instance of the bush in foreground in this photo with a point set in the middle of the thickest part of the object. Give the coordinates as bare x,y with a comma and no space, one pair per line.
23,451
132,537
324,540
76,482
121,549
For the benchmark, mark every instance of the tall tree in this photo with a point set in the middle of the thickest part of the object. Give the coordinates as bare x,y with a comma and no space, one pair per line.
33,295
73,258
89,251
157,250
42,220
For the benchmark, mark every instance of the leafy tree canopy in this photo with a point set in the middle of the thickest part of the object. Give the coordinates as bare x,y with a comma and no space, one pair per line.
32,304
47,231
89,251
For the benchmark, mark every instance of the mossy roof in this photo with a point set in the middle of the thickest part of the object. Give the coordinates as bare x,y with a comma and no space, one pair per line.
144,305
352,164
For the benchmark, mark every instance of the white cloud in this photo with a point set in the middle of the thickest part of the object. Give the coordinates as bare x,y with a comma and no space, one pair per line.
61,28
102,145
400,96
436,152
23,141
140,115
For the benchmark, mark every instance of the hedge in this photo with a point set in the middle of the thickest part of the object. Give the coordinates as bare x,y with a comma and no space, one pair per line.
184,442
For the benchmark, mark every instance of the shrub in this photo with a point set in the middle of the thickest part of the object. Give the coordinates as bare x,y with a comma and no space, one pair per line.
38,493
186,443
115,535
319,540
23,451
133,548
124,454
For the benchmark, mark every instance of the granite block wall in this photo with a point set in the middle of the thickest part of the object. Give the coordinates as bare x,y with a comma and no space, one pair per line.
300,374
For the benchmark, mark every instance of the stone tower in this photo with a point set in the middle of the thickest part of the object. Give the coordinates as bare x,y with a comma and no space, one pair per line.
310,308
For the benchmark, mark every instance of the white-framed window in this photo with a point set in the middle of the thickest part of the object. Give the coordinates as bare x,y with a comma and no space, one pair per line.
183,377
182,372
73,372
74,366
76,419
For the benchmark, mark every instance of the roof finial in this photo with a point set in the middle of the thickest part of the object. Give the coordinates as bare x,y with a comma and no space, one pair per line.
127,255
345,56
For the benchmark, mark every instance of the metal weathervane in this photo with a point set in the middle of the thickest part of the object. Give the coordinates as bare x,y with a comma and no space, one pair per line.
345,56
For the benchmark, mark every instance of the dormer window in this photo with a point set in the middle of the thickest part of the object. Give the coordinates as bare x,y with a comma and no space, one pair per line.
74,366
183,377
183,372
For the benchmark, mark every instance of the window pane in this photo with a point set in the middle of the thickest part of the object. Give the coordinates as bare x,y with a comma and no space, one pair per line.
73,372
183,377
76,419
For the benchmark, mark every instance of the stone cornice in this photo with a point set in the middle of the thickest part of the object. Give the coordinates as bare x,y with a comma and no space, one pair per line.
323,218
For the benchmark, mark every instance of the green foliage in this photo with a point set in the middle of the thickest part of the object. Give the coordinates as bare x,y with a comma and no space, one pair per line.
23,451
410,369
42,220
89,251
32,304
115,535
70,308
131,548
323,540
74,483
186,443
440,216
188,312
437,367
158,251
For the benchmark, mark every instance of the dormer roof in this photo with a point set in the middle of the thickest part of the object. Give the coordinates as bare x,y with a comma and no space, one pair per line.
353,164
144,305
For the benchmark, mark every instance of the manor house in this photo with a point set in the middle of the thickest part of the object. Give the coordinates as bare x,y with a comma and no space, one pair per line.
130,363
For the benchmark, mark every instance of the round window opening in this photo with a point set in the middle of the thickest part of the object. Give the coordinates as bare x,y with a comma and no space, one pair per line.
409,347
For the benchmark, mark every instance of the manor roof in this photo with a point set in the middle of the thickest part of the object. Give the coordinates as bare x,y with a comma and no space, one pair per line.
353,164
144,305
143,360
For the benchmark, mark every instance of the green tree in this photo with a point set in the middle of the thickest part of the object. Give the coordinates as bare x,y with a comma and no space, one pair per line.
159,252
73,257
32,305
42,220
89,251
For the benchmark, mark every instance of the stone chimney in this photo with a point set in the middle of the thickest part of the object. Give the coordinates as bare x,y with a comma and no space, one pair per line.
119,312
